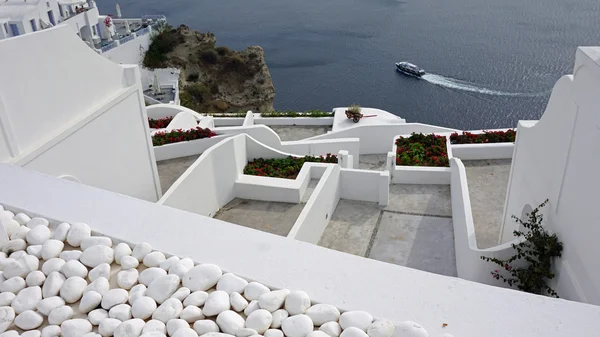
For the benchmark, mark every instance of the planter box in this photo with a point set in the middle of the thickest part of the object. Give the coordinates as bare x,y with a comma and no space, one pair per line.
483,151
184,149
401,174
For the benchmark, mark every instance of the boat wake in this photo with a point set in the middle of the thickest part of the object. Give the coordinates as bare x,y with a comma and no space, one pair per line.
452,83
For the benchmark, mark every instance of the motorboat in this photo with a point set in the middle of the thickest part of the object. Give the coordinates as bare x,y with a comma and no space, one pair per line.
409,69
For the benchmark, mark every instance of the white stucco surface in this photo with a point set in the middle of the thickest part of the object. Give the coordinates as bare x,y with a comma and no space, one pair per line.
371,117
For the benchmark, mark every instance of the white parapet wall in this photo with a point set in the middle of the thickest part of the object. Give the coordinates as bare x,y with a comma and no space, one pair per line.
275,121
427,175
483,151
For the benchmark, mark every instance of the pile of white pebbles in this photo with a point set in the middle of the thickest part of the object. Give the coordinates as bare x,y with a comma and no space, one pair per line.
62,281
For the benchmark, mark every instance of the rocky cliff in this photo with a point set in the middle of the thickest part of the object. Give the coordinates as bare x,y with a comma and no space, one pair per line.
214,79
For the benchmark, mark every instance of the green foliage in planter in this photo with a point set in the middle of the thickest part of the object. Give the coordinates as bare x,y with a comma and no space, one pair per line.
293,114
162,43
159,123
538,250
507,136
284,167
175,136
422,150
354,108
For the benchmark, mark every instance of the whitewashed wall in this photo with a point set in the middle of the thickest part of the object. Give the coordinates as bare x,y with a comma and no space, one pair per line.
131,52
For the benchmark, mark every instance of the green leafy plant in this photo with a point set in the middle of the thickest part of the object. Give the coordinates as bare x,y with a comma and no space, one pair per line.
284,167
162,43
293,114
507,136
354,109
538,251
159,123
179,135
209,56
223,51
422,150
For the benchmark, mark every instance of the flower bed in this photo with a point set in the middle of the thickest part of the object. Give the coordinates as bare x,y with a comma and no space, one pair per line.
507,136
422,150
175,136
276,114
284,167
159,123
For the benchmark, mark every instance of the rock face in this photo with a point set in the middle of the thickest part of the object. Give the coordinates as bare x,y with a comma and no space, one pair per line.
215,79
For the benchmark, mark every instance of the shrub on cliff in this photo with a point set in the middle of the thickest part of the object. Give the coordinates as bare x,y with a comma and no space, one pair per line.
209,56
162,43
223,51
198,91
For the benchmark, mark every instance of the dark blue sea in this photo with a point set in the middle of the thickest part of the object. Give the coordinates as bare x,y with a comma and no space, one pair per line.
492,62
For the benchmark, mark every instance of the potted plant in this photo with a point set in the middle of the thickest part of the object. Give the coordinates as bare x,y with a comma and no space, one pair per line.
353,112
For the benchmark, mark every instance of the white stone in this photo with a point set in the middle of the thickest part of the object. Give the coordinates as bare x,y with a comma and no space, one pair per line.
154,325
191,313
181,293
175,324
130,328
297,302
51,331
217,302
46,305
29,320
22,266
150,274
6,298
52,248
230,321
9,333
72,290
121,250
141,250
121,312
185,332
154,259
96,316
297,326
2,278
179,269
114,297
35,279
252,306
161,288
35,222
230,283
99,285
22,218
381,328
7,316
333,329
166,264
169,309
74,268
27,299
202,277
357,319
410,329
219,334
153,334
273,300
127,278
259,320
69,255
318,333
92,334
60,314
61,232
52,265
17,255
245,332
278,317
75,327
95,240
35,250
11,226
13,285
137,292
19,234
205,326
143,308
350,332
96,255
323,313
273,333
101,270
108,326
38,235
197,298
128,262
253,290
90,301
77,233
237,301
187,262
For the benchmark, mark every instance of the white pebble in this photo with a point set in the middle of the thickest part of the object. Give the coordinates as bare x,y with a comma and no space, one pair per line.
410,329
217,302
46,305
273,333
230,283
245,332
27,299
175,324
127,278
273,300
9,333
19,234
128,262
297,302
18,254
253,290
52,265
121,312
357,319
101,270
154,326
35,278
21,218
51,331
169,309
89,301
99,285
121,250
29,320
278,317
191,314
333,329
77,233
143,308
13,285
154,259
7,316
108,326
252,306
230,321
150,274
92,334
323,313
72,290
351,332
61,232
21,267
187,262
52,248
69,255
197,298
95,240
185,332
179,269
35,250
136,292
60,314
381,328
11,226
96,316
140,250
74,268
6,298
53,284
181,293
205,326
317,334
114,297
96,255
161,288
38,235
202,277
75,327
35,222
260,320
130,328
297,326
166,264
237,301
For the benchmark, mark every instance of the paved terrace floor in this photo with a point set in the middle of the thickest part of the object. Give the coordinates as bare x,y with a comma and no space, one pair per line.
488,182
296,132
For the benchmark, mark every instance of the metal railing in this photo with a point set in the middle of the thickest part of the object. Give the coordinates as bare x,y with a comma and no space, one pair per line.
154,17
126,39
109,46
143,31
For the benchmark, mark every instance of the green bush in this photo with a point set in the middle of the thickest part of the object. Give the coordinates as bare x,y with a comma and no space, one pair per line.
193,77
197,91
284,167
422,150
209,56
162,43
223,51
235,61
